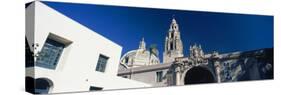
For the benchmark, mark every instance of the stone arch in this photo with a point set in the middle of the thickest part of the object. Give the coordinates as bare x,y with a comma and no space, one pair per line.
197,75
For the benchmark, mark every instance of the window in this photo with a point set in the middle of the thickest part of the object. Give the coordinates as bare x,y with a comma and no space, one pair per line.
101,65
93,88
126,60
125,76
159,75
50,54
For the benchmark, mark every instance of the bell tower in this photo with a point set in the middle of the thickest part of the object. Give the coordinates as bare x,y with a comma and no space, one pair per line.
173,43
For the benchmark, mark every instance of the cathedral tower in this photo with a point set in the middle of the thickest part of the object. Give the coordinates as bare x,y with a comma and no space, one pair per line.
173,44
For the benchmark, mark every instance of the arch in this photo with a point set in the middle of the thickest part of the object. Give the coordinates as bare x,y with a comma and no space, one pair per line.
125,57
43,86
199,74
251,70
129,52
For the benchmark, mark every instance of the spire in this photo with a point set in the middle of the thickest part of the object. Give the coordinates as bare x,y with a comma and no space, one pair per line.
173,43
174,20
174,25
142,44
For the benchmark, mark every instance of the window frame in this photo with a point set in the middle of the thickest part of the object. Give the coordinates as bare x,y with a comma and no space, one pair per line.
159,76
101,67
50,46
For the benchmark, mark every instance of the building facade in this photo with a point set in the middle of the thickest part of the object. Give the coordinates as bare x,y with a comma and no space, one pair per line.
199,67
65,56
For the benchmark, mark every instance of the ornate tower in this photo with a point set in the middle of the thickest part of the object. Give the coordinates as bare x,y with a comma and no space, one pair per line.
173,43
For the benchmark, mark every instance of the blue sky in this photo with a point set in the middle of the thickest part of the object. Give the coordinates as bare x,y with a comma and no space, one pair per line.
126,26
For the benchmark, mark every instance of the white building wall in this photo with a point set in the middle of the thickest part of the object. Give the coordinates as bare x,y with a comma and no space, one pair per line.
29,23
76,68
150,77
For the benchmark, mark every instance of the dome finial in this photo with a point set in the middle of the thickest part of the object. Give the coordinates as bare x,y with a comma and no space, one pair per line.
142,44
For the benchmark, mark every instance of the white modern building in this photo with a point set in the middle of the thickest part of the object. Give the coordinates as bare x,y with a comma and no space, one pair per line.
65,56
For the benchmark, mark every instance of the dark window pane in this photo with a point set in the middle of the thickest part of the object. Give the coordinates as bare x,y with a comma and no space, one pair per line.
93,88
101,65
159,76
50,54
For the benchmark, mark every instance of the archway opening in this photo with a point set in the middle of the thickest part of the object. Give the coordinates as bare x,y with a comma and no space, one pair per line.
42,86
197,75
